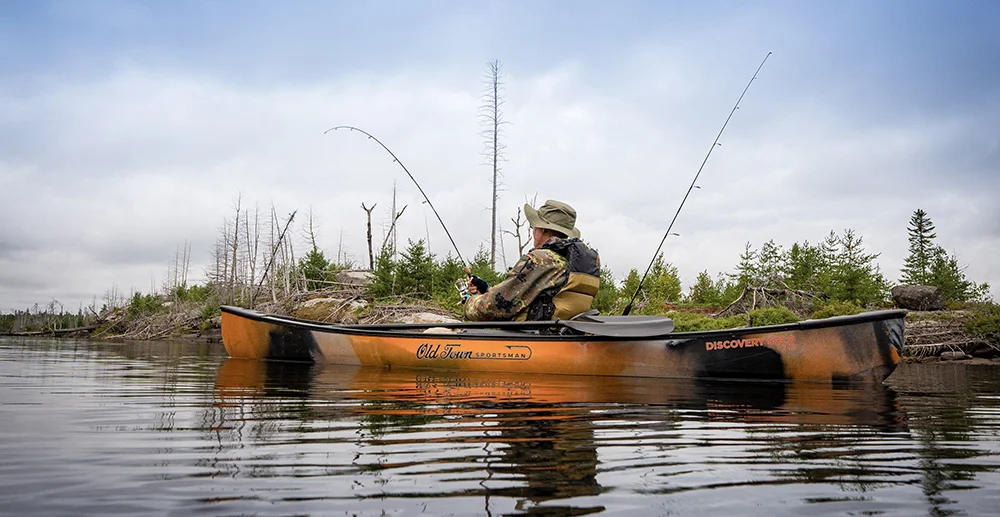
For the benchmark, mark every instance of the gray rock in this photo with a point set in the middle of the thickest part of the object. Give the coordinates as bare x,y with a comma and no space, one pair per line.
355,277
985,351
428,317
954,356
918,297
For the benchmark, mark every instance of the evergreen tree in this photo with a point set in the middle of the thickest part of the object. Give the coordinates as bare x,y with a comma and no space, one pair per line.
746,271
917,265
481,267
607,297
384,283
770,266
315,267
803,267
445,274
855,275
630,284
664,284
946,274
705,290
415,273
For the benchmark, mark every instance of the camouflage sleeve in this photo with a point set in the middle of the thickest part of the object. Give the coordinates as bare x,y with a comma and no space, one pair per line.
532,274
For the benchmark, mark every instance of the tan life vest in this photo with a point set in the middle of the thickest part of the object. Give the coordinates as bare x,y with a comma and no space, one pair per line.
575,296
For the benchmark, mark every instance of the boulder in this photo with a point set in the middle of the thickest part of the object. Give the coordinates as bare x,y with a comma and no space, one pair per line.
428,317
954,356
985,351
355,277
918,297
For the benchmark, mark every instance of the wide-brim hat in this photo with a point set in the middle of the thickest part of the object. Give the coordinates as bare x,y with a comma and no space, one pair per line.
553,215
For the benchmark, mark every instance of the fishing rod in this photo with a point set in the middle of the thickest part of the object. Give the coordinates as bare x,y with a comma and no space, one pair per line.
628,308
395,159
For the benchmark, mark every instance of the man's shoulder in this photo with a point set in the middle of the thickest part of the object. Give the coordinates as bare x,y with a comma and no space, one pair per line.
543,256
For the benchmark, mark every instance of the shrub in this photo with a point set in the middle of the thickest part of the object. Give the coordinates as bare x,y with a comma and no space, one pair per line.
689,322
836,308
144,304
771,316
985,323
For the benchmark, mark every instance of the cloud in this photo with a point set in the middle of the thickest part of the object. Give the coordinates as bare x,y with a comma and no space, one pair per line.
106,174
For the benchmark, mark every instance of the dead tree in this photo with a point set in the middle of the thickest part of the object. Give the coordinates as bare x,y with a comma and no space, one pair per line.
392,229
491,114
235,249
274,252
521,223
371,255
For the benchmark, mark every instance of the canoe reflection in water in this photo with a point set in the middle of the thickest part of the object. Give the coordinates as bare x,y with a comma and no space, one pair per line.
531,438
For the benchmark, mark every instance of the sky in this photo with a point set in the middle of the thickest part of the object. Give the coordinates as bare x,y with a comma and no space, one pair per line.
130,128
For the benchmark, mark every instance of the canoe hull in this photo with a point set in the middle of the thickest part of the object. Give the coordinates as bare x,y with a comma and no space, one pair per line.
862,347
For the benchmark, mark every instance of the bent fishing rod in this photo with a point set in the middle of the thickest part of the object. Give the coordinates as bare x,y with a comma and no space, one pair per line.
407,171
628,308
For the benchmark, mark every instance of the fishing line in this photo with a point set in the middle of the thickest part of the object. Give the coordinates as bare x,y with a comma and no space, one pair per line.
628,308
395,159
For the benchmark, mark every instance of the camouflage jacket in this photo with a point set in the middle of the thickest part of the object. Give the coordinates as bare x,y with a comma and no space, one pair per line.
540,269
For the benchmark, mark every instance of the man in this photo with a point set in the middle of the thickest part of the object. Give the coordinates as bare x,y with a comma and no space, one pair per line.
557,279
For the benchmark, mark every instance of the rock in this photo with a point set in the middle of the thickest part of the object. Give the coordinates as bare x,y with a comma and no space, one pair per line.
428,317
328,309
918,297
954,356
355,277
322,301
985,351
353,305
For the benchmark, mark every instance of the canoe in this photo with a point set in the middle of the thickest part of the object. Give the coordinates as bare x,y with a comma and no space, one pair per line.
862,347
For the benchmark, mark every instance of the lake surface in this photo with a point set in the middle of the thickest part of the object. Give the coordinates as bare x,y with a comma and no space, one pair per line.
89,428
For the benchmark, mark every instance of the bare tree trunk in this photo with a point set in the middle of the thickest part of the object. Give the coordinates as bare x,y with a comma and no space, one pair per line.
392,227
186,262
236,240
519,223
310,228
340,247
392,230
371,256
253,246
492,115
271,244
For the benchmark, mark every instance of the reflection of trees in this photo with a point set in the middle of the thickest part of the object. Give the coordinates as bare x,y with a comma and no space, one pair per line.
544,445
941,402
828,435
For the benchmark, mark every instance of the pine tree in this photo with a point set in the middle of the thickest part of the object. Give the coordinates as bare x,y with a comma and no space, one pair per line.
746,271
770,267
917,266
416,271
664,282
946,274
315,267
705,290
607,294
803,265
856,276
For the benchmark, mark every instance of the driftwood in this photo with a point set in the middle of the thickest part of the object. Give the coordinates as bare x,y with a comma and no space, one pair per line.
799,302
934,336
54,332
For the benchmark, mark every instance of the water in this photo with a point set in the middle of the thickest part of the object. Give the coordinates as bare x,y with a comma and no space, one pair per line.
172,429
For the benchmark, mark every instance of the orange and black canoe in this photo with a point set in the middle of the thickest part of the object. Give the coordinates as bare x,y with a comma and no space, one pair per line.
865,346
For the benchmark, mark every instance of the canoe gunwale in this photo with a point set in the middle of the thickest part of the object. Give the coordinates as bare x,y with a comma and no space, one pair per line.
494,330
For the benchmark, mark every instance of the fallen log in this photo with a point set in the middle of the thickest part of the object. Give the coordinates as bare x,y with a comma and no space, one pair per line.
52,332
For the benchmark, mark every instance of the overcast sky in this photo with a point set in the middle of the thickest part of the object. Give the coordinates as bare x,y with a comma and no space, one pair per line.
128,128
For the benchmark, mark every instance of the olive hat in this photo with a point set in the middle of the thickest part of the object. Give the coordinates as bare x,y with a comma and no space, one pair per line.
553,215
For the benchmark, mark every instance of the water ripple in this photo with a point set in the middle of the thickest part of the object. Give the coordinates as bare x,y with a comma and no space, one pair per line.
143,428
